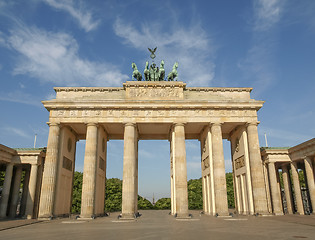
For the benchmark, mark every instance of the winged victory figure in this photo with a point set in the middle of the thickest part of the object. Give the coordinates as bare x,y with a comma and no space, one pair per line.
152,52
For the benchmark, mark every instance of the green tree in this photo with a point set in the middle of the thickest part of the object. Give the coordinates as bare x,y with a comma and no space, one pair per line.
76,192
301,178
195,200
113,195
230,190
2,173
163,203
144,204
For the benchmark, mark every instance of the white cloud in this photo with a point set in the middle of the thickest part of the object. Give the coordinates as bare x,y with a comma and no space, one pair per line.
77,10
53,57
267,13
16,131
190,46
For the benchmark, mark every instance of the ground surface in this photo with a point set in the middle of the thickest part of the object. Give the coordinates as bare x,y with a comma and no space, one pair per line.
160,225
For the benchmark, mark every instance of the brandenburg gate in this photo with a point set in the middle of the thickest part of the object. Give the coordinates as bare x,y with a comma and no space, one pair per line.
141,110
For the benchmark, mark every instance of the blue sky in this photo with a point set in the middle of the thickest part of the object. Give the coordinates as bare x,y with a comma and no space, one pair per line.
264,44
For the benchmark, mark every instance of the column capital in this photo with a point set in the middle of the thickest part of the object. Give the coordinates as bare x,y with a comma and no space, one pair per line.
179,123
254,123
50,124
91,124
130,124
216,124
307,158
294,164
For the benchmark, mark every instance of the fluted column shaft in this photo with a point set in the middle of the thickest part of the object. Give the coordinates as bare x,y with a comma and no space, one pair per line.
15,192
48,191
219,171
256,167
287,188
275,191
180,171
89,172
31,192
6,190
297,188
129,188
310,179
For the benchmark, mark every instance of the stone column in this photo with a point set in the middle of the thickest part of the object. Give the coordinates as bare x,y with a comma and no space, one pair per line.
180,168
6,190
297,189
136,177
256,167
15,192
129,172
48,190
275,191
31,192
219,171
310,179
287,188
89,172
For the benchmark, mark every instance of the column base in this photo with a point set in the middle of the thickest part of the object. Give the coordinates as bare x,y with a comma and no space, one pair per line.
45,218
129,216
224,214
267,214
86,217
182,216
278,214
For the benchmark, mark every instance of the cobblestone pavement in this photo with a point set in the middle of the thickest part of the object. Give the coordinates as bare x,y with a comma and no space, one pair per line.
160,225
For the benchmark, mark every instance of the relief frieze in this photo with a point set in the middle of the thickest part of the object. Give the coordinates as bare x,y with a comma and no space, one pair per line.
154,93
239,162
145,113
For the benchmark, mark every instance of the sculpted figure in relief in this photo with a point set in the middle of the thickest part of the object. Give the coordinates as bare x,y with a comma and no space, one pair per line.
136,74
146,72
173,74
161,71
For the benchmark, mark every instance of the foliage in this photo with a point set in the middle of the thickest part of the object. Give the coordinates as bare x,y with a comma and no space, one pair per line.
2,173
302,180
163,203
113,195
195,200
144,204
76,193
230,190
